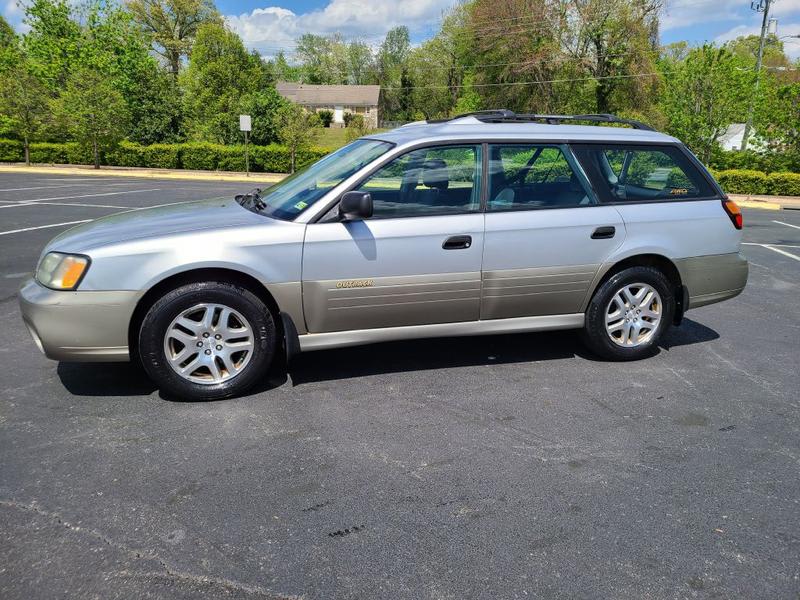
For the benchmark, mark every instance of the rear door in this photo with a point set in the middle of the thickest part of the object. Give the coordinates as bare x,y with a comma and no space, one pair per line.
416,261
546,233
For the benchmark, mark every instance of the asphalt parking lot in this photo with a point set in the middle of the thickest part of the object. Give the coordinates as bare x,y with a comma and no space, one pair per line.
495,467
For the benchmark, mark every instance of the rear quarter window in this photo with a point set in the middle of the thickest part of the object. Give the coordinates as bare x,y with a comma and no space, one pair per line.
637,173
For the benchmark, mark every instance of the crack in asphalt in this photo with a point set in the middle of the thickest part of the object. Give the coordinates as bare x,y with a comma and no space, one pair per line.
171,572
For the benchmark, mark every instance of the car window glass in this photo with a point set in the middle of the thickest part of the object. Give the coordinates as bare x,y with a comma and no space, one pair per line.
427,181
296,193
638,173
527,176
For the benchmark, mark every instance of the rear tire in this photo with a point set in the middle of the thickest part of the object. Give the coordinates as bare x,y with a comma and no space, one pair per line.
206,341
629,313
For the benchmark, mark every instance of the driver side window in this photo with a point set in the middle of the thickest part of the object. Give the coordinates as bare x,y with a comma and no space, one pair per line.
428,181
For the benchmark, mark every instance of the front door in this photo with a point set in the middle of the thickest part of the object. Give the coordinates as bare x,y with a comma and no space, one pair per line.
546,235
416,261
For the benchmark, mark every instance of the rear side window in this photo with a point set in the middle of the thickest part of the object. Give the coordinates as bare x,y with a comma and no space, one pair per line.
531,176
640,173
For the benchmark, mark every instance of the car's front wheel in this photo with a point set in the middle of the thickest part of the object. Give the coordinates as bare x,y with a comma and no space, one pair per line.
209,340
629,313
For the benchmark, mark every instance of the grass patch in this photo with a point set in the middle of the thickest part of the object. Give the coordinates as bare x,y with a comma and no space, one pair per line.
332,138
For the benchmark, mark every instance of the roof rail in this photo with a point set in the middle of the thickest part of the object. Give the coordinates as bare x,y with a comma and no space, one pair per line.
482,115
507,116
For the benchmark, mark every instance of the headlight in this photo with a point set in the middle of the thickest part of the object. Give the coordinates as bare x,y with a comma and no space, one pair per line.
62,271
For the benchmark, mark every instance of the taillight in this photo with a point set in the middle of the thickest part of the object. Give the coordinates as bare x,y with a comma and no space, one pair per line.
734,212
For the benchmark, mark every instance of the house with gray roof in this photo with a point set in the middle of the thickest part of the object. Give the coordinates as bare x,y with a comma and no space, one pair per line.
341,99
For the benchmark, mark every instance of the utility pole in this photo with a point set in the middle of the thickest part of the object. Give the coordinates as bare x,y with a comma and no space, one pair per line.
758,6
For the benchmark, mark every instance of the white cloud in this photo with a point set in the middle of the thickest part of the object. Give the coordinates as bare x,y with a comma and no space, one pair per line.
271,28
686,13
782,8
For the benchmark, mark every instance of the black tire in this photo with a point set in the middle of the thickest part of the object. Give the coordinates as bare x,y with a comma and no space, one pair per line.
595,335
168,307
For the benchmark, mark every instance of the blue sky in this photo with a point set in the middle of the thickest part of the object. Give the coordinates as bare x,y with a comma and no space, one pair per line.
271,25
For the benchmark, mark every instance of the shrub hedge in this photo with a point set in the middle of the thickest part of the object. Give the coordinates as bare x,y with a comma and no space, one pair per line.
194,155
742,181
202,156
752,161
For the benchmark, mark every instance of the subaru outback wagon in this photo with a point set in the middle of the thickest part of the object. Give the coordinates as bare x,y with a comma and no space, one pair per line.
486,223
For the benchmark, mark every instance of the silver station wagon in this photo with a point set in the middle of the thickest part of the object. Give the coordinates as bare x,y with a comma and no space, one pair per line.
487,223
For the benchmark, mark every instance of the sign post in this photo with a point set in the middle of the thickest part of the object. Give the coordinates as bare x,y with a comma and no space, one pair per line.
246,126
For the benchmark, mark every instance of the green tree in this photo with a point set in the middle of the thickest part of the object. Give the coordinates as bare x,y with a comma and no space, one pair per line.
24,104
297,130
263,107
282,70
616,40
361,68
220,74
528,50
112,43
777,118
356,128
92,110
746,48
392,70
324,59
173,25
9,45
704,94
52,42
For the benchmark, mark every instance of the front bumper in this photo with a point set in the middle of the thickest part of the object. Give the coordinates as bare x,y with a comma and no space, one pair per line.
78,326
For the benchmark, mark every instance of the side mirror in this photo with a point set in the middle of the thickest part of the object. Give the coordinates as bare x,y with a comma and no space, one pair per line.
355,206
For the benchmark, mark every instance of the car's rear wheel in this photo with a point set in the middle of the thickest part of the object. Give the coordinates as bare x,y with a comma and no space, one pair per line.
204,341
629,313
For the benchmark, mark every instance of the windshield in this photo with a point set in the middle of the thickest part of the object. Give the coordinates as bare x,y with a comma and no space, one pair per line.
288,198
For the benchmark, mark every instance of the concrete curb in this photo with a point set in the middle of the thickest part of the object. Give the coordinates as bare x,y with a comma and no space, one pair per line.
144,173
758,204
766,202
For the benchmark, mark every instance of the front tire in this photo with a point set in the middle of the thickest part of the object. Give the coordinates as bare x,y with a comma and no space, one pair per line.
629,313
206,341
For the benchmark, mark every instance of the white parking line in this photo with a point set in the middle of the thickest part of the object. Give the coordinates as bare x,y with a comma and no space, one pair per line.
72,204
778,245
779,251
45,226
787,224
775,249
88,195
45,187
19,204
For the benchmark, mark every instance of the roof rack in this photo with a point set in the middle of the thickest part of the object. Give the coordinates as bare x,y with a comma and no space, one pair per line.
507,116
482,115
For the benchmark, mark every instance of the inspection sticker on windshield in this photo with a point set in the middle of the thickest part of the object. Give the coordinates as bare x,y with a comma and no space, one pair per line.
301,205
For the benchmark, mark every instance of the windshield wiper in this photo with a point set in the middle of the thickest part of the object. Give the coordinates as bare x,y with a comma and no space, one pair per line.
252,200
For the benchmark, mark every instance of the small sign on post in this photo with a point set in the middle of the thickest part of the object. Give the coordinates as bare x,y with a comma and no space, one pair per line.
245,125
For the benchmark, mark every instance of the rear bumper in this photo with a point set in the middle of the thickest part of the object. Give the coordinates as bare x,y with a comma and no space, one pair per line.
78,326
714,278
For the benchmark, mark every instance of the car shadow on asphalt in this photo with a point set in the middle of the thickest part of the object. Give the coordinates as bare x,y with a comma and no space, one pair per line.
444,353
129,379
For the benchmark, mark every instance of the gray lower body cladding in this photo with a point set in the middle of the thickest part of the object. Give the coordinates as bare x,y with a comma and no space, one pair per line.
93,326
713,278
78,326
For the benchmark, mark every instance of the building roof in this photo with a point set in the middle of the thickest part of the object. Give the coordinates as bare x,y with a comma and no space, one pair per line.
470,128
325,95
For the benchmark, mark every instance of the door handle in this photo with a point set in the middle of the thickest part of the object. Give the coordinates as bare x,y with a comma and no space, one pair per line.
604,233
457,242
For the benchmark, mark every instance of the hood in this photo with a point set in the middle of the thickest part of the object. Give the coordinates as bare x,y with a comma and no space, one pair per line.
154,222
